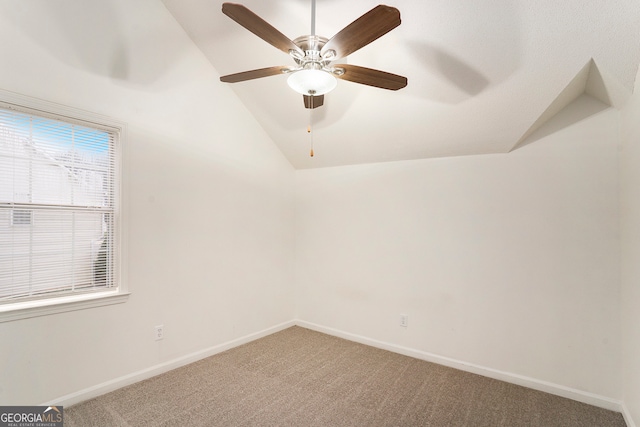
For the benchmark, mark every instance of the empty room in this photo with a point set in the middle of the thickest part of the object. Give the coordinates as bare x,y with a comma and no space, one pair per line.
316,212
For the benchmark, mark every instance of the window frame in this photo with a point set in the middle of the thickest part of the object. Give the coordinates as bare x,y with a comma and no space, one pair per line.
43,306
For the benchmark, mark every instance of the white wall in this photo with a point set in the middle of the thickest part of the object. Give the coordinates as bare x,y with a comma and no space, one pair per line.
209,206
509,262
630,232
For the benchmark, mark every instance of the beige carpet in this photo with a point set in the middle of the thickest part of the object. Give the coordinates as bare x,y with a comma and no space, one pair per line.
299,377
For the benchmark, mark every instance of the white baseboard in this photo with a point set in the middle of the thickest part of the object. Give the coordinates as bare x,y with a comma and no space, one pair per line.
627,416
108,386
547,387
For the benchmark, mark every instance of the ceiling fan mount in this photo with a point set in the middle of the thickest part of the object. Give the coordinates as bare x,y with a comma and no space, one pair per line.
314,75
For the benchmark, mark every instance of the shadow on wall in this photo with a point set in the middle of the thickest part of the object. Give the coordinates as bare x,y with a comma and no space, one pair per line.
443,76
455,73
97,37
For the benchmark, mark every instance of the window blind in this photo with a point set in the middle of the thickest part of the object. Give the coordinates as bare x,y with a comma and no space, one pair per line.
57,205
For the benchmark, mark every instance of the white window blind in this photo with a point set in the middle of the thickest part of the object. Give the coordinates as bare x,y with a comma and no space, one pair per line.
58,186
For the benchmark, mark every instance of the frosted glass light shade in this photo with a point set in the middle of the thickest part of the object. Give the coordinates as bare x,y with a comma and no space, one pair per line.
312,82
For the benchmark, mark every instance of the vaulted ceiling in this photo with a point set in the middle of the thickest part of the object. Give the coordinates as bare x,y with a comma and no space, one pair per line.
483,77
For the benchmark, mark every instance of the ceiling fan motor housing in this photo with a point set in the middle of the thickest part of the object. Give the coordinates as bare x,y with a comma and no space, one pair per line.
313,58
311,46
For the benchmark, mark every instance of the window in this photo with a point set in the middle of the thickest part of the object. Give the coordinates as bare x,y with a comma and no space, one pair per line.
59,209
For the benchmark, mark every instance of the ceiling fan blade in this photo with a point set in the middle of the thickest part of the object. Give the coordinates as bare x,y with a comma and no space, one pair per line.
260,27
370,77
255,74
313,101
369,27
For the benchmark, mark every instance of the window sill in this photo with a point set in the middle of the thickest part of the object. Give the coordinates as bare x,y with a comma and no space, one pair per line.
28,309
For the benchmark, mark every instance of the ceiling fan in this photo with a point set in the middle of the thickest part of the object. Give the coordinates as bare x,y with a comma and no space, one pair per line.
314,75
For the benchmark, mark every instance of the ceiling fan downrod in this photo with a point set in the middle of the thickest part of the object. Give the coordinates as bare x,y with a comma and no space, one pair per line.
313,17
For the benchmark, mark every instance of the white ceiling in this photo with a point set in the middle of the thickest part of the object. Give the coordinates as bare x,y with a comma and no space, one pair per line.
483,75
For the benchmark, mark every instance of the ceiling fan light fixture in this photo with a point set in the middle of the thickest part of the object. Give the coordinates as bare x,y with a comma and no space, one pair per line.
312,82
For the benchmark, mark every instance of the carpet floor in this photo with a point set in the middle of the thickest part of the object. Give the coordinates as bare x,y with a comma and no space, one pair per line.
299,377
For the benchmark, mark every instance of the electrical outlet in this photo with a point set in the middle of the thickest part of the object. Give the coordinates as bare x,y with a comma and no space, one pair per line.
404,320
159,332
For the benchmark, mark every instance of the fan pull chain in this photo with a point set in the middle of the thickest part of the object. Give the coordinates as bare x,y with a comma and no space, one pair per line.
309,127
